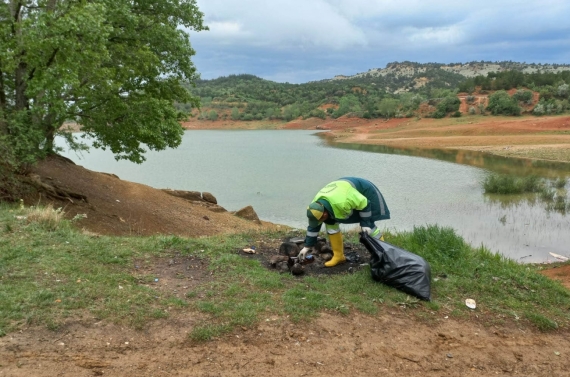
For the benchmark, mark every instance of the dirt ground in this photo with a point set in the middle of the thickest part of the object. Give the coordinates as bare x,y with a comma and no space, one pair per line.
393,343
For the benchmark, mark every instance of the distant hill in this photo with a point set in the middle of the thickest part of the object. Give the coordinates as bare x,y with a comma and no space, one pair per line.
402,89
472,69
420,74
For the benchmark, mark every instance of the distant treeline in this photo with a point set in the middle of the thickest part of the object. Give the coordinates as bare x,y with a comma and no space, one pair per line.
507,80
248,97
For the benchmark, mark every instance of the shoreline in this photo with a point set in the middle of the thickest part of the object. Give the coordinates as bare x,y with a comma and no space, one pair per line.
526,137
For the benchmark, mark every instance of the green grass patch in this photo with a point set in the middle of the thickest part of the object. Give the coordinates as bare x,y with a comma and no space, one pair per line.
508,184
551,192
49,274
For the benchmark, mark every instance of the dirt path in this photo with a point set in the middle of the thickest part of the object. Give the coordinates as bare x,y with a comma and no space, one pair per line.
390,344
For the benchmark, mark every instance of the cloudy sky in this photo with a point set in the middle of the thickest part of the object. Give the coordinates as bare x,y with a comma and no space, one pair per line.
298,41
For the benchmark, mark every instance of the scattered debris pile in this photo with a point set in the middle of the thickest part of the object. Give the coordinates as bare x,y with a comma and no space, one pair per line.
283,258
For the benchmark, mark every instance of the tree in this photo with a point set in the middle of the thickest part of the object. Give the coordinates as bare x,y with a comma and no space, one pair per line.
388,107
501,103
235,113
347,103
116,67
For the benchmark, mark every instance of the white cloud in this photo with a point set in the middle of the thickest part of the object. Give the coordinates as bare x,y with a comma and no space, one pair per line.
445,35
310,38
281,23
226,29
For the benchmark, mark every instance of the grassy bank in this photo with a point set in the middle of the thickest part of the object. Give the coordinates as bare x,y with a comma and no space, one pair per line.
50,273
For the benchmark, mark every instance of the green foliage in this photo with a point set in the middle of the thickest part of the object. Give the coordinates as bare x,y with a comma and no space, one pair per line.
549,107
508,184
235,113
500,103
11,187
523,96
359,96
449,104
370,95
563,91
213,115
115,67
388,107
548,83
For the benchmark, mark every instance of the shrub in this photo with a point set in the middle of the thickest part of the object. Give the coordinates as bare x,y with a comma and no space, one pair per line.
235,113
447,105
523,96
500,103
563,91
539,109
550,106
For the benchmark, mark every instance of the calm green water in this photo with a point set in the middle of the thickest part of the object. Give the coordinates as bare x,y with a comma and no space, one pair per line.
278,173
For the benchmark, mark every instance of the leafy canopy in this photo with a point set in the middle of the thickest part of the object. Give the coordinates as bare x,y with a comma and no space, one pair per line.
116,67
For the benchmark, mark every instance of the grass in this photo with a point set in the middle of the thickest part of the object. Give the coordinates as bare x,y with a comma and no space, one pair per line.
552,192
508,184
50,274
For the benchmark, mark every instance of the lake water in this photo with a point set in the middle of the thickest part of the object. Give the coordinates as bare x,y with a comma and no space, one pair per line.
279,172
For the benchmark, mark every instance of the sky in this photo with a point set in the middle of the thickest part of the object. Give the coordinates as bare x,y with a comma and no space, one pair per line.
298,41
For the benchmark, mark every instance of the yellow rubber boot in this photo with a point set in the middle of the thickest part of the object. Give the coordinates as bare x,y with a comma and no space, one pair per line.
338,250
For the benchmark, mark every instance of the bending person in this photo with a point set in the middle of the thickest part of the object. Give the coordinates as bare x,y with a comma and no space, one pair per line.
349,200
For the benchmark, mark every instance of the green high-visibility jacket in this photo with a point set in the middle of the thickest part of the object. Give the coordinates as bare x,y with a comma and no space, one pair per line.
349,200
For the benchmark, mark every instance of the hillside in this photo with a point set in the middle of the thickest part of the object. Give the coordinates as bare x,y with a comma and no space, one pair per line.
103,203
471,69
400,90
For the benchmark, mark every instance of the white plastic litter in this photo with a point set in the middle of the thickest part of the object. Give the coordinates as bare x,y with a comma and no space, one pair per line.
559,257
470,303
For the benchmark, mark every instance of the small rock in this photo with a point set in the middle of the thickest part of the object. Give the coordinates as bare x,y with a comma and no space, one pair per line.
248,213
282,266
325,250
276,259
326,257
297,269
289,249
209,198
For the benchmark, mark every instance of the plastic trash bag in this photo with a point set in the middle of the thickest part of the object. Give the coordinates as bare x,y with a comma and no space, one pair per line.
398,268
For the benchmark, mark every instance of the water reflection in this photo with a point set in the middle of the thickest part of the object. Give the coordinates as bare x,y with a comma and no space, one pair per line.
558,203
494,163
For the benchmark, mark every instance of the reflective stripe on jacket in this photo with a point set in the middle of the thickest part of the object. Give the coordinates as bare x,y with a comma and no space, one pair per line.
349,200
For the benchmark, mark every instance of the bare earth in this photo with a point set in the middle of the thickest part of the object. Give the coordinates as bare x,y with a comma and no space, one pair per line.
393,343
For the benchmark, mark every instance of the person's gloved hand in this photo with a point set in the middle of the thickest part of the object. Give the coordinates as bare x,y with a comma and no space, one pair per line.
303,253
367,230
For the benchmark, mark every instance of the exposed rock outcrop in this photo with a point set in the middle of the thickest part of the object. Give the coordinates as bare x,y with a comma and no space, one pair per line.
248,213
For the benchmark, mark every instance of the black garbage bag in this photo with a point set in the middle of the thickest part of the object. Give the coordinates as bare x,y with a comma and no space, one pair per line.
398,268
